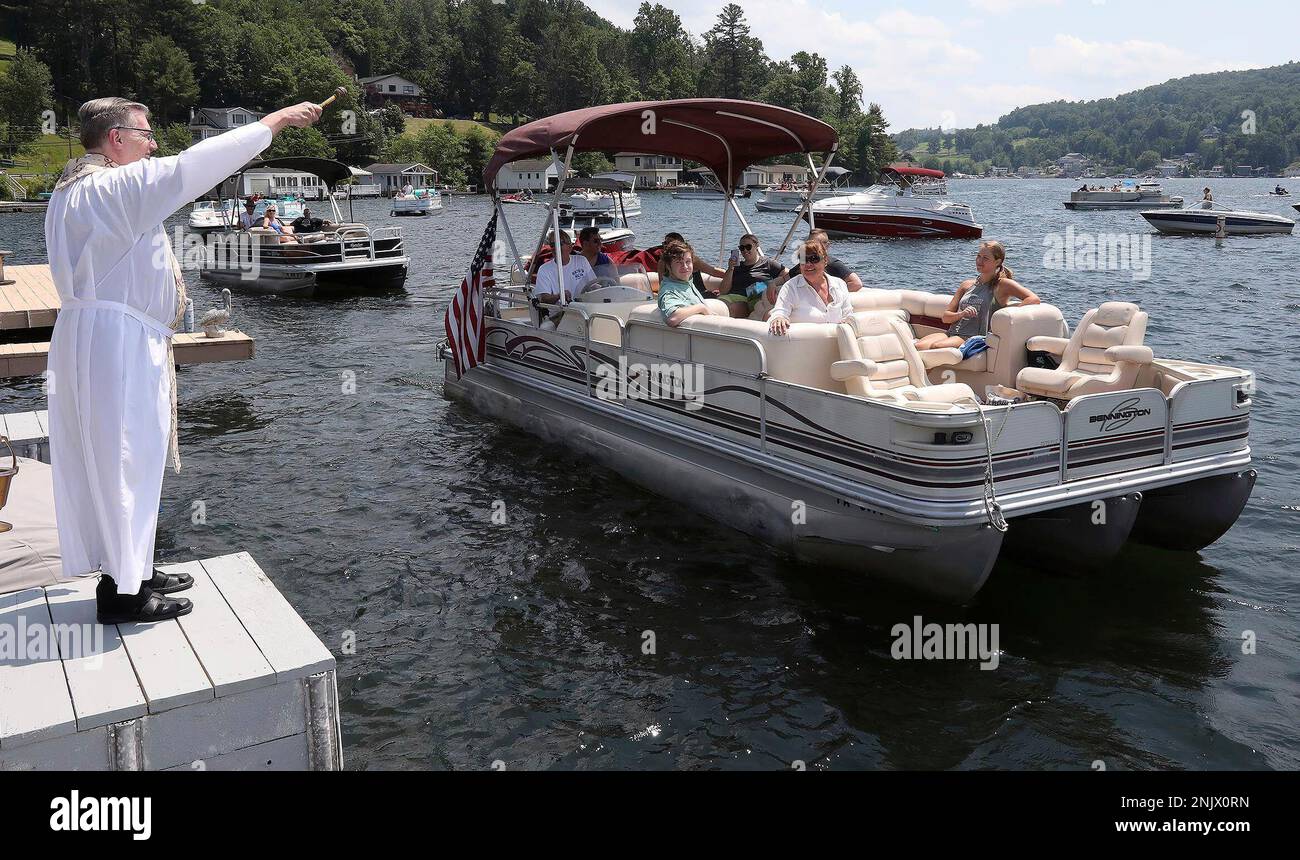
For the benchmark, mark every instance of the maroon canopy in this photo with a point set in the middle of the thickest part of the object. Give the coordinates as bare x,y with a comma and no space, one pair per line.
725,135
909,170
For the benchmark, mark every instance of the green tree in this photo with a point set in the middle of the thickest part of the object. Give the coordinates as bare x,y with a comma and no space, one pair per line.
166,79
303,142
662,56
25,93
173,139
848,93
1147,160
735,66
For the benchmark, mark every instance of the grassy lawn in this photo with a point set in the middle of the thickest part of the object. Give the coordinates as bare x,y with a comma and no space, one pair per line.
415,124
47,155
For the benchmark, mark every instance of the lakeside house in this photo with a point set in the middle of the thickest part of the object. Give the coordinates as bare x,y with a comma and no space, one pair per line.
382,90
766,175
1072,165
651,171
531,174
392,178
210,122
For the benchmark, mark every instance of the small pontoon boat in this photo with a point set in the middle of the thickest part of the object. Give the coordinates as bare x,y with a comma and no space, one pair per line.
1129,195
842,443
422,201
345,255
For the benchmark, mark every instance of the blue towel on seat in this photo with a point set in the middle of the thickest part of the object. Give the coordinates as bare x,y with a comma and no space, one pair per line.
973,347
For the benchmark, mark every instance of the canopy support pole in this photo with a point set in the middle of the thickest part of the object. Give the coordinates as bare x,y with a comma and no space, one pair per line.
553,216
510,237
806,206
741,216
722,249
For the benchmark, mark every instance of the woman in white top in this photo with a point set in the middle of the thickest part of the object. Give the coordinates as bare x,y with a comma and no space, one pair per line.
813,296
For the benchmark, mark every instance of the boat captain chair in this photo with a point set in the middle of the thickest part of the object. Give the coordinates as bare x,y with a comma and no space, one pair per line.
879,361
1105,354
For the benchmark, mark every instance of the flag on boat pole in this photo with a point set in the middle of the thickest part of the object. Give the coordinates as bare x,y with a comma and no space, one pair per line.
465,314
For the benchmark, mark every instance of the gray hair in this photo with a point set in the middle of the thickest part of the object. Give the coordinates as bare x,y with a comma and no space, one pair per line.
99,116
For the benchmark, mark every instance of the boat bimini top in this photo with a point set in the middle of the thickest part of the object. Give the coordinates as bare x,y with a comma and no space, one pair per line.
724,135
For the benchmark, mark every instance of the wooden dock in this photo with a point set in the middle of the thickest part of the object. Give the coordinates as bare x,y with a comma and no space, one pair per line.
239,683
14,206
32,302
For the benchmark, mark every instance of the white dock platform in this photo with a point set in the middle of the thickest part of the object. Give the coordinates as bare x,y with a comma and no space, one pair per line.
241,683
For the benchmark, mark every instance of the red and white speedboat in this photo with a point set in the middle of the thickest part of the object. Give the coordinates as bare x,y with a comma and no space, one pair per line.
910,203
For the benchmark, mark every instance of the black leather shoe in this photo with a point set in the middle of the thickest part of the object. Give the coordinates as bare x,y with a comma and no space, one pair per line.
114,608
169,583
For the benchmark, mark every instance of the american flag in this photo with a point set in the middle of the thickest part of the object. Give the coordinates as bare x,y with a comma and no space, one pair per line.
465,315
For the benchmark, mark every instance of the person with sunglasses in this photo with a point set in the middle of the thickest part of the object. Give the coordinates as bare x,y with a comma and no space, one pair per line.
834,268
812,296
112,413
747,275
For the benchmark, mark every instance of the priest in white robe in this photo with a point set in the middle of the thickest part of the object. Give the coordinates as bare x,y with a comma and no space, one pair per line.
111,384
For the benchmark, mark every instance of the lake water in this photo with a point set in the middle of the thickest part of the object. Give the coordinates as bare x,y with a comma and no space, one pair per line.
477,643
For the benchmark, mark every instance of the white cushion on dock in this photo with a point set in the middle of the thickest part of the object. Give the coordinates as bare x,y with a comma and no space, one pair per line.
29,552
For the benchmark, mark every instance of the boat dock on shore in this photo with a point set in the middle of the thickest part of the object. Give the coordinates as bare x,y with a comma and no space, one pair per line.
32,303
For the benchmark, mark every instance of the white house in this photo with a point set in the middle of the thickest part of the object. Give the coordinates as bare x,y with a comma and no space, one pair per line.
276,182
208,122
651,171
765,175
382,90
1072,164
533,174
392,178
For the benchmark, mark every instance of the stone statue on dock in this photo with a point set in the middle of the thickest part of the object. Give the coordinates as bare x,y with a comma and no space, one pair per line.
112,388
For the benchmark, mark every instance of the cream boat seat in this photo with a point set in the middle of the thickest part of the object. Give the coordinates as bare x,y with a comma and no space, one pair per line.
1105,354
878,361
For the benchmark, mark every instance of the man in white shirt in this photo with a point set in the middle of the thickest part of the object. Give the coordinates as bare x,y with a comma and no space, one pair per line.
112,384
247,218
578,274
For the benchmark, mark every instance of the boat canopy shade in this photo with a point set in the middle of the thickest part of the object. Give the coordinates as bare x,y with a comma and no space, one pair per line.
837,171
725,135
333,172
596,183
908,170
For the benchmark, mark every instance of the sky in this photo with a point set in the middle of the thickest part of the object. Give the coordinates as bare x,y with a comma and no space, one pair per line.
958,63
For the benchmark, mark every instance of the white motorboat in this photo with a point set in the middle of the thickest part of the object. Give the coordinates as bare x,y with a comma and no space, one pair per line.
1128,195
910,203
423,201
789,198
842,443
344,255
705,187
206,216
1201,219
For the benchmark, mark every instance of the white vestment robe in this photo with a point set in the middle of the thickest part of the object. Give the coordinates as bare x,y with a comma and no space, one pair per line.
109,387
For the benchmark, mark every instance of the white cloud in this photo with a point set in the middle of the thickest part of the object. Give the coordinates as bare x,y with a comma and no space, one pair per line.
1003,7
1135,62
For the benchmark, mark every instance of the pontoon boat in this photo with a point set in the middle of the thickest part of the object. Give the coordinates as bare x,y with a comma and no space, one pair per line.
346,254
842,443
1129,195
789,198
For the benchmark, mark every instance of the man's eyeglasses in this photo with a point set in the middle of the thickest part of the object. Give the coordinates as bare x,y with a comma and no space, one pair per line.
146,133
812,258
746,247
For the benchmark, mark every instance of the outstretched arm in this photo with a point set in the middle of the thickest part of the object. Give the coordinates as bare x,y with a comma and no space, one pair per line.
147,191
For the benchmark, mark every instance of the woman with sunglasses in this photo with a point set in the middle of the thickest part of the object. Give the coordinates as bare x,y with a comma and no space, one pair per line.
746,277
969,311
811,296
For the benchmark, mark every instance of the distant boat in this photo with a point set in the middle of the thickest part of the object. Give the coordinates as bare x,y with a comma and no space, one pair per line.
1131,195
1199,220
790,197
423,201
910,203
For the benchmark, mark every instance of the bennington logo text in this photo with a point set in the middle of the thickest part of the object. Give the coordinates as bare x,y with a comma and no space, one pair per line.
132,814
1121,416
